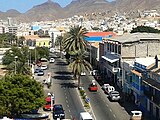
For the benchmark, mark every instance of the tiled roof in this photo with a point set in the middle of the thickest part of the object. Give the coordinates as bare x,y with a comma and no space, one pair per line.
101,34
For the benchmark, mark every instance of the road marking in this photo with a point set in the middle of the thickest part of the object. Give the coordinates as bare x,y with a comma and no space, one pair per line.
66,97
71,116
65,93
69,110
110,110
114,115
66,101
67,105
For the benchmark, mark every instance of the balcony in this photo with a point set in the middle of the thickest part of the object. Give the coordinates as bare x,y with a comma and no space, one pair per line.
153,98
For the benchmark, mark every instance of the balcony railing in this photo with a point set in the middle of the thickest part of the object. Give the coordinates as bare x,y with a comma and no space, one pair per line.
152,97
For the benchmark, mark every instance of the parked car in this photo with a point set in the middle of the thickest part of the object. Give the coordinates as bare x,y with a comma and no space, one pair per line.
109,89
47,106
36,70
104,86
52,60
50,100
136,115
58,111
114,96
83,73
43,67
40,73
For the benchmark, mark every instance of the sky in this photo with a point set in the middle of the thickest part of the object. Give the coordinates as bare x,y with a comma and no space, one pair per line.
24,5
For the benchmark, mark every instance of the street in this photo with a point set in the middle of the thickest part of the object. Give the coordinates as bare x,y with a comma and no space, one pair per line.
65,90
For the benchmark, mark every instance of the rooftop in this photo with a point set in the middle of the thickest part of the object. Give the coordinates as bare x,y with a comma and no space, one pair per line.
136,37
145,61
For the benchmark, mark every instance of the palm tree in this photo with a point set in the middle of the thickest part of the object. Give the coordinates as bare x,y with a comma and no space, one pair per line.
58,42
74,40
75,45
79,65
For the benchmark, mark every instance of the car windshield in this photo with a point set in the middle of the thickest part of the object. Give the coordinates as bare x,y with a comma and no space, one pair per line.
58,108
115,93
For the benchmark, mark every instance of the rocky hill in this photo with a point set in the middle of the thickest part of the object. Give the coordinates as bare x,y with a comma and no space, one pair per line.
10,13
51,10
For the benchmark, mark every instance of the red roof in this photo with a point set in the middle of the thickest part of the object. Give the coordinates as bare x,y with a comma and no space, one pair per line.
101,34
48,99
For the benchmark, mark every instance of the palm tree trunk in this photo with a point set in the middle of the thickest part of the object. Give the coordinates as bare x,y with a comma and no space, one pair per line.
79,81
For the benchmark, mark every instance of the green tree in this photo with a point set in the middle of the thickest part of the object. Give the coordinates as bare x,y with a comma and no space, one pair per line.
74,39
75,45
58,42
79,65
42,52
7,40
19,94
21,62
145,29
21,41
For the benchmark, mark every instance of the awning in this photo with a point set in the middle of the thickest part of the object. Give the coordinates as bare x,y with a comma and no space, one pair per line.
152,83
111,57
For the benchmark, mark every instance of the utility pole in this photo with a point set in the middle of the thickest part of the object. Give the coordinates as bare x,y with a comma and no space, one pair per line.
52,38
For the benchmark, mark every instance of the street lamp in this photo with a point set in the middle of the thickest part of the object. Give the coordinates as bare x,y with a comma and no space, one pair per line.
15,63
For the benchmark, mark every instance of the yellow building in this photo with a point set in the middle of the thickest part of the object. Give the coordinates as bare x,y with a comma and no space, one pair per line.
43,42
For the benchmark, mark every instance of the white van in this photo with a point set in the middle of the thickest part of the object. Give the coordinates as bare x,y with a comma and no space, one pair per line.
85,116
136,115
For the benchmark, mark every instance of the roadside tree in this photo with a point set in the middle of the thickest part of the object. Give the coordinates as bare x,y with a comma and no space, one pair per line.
79,65
19,94
75,45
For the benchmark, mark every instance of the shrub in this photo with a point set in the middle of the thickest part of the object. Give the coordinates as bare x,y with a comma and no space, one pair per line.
86,105
82,92
84,97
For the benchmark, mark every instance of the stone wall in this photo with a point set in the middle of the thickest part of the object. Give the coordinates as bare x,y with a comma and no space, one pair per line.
140,50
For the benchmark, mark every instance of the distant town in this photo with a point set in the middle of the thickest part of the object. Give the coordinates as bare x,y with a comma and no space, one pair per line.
129,61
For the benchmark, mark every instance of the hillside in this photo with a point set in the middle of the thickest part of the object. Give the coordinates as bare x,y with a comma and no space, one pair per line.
52,11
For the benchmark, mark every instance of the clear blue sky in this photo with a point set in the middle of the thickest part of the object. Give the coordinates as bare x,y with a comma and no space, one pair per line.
24,5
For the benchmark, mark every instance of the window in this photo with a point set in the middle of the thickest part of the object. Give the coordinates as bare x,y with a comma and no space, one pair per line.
119,49
130,79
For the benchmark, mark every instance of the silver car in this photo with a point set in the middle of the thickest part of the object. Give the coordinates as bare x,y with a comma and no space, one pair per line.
114,96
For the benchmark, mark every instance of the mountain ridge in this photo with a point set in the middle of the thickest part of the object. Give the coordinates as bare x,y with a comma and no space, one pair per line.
51,10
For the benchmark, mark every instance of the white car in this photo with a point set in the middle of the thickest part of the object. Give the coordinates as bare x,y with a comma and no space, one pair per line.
114,96
43,67
83,73
105,86
52,60
109,89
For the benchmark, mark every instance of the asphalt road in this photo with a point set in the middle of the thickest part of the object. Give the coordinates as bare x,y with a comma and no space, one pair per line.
66,94
102,108
65,89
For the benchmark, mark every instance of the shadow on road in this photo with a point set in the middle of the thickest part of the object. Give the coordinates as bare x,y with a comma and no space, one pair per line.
61,64
62,77
68,85
63,73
